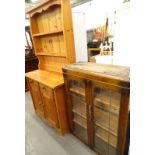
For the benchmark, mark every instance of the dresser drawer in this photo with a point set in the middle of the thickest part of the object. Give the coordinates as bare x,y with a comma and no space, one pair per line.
46,90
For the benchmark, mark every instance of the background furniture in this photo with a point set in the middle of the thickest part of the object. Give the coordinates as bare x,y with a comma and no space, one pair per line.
52,35
98,105
31,61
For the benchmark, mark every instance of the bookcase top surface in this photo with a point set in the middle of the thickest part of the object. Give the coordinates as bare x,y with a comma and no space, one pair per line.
121,73
49,79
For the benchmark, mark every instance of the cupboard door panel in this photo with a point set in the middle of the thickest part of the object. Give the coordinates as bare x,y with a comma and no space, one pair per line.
49,105
79,115
106,120
36,97
79,118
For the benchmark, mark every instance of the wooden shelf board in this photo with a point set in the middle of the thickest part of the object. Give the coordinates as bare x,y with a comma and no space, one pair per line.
78,97
102,99
47,33
50,54
111,110
79,123
80,110
94,49
101,119
78,90
78,113
42,76
112,105
106,140
105,128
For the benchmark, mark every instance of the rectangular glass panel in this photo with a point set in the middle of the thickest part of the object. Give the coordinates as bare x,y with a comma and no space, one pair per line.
80,132
106,118
77,96
79,107
77,87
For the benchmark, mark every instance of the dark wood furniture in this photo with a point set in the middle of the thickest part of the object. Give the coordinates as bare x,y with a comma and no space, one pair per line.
98,105
30,65
31,61
52,35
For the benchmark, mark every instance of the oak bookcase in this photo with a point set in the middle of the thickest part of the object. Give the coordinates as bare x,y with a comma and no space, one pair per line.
98,105
52,36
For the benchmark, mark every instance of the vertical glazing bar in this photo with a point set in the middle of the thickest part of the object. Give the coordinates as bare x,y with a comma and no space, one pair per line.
89,102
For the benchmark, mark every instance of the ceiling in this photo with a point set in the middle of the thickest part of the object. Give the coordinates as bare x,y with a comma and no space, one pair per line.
31,3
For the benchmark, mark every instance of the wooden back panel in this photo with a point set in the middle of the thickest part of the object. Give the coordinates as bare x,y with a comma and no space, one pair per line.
52,64
52,34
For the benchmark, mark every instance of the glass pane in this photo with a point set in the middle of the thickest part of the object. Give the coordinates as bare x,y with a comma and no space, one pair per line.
80,132
77,87
80,127
106,118
77,95
79,107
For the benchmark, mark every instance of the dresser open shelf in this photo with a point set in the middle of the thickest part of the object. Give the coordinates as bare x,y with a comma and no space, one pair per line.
47,33
52,34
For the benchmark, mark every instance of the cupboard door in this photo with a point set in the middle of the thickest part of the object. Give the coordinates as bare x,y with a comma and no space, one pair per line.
78,103
36,97
49,105
106,119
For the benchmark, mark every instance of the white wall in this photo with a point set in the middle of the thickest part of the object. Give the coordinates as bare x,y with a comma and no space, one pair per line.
96,11
27,23
122,37
80,38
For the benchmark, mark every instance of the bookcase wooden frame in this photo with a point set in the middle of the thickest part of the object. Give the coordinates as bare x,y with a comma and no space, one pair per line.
99,116
52,36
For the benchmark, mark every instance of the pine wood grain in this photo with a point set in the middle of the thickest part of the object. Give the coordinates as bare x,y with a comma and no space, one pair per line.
50,79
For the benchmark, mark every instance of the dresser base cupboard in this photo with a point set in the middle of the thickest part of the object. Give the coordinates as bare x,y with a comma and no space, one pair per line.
98,106
48,98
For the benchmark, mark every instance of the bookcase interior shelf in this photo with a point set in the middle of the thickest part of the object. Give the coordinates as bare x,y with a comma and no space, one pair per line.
47,33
